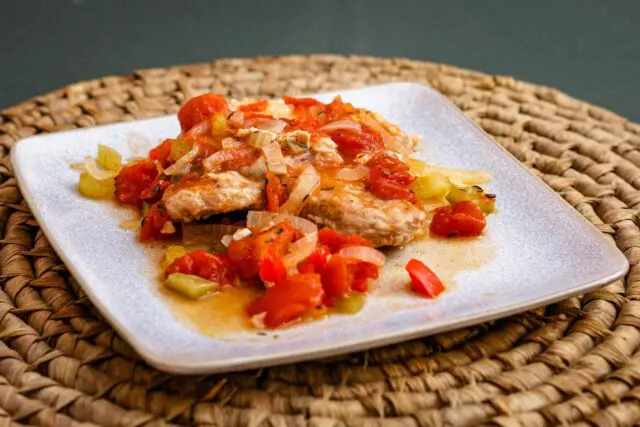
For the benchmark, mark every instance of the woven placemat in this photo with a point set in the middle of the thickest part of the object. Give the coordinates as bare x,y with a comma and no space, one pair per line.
571,362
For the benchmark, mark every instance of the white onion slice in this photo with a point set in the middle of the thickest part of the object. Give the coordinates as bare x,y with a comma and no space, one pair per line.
241,234
275,159
390,142
364,253
352,174
304,225
272,125
201,128
259,219
226,240
341,125
218,158
236,119
205,234
307,182
300,250
96,171
183,165
231,143
265,219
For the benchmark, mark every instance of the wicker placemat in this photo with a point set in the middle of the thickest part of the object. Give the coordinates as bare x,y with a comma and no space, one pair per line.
572,362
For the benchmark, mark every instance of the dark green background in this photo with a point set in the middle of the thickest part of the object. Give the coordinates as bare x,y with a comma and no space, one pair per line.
590,49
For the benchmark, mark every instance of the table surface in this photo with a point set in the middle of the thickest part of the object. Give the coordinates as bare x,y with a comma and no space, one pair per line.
587,48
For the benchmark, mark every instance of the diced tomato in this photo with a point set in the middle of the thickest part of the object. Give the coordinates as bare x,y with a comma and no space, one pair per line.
254,106
336,240
337,109
462,219
362,272
336,278
389,178
271,268
315,261
289,300
162,152
276,192
154,192
307,102
247,254
214,267
200,108
133,179
152,224
236,158
423,280
351,143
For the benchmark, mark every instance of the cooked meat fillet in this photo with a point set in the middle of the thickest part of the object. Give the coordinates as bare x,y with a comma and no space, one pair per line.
212,194
351,208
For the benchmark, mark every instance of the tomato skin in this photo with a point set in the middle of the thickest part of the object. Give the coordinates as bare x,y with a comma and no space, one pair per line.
337,240
152,224
161,153
247,254
289,300
463,219
315,261
200,108
389,178
423,280
271,268
133,179
254,106
214,267
351,143
276,192
307,102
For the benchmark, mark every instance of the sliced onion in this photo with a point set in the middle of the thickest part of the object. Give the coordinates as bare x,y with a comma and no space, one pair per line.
231,143
304,225
168,228
183,165
275,159
236,119
259,219
272,125
205,234
259,138
265,219
201,128
226,240
96,171
300,250
390,142
349,125
352,174
364,253
307,182
241,233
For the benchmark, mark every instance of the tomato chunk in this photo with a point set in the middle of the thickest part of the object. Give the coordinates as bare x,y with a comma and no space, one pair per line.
315,261
271,268
351,143
276,192
162,152
336,240
423,280
307,102
389,178
462,219
214,267
200,108
133,179
289,300
153,223
336,278
254,106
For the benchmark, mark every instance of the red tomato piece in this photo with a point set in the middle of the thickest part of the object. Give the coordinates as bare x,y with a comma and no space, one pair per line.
271,268
276,192
236,158
214,267
462,219
133,179
315,261
351,143
362,272
307,102
336,278
154,192
423,280
152,224
162,152
254,106
289,300
200,108
389,178
337,109
337,240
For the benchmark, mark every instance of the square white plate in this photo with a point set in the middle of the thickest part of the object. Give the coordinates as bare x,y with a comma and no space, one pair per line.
537,249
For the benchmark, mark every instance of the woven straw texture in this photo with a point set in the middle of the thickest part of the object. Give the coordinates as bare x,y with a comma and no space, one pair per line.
575,362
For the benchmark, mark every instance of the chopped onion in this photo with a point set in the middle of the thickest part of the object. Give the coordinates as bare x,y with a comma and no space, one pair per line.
217,158
183,165
364,253
300,250
241,234
231,143
226,240
390,142
168,228
352,174
259,219
130,224
236,119
205,234
200,128
259,138
96,171
275,159
307,182
304,225
258,320
265,219
272,125
341,125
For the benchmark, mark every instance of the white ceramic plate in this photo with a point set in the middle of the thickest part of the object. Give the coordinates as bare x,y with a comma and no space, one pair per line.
537,249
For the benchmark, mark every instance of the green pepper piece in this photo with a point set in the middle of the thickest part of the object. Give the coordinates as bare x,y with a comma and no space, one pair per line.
351,304
189,285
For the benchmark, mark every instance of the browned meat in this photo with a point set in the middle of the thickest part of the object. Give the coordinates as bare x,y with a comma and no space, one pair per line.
212,194
353,209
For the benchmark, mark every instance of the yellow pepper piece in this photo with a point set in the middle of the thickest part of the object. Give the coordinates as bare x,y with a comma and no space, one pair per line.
431,186
179,148
219,126
109,158
92,188
173,253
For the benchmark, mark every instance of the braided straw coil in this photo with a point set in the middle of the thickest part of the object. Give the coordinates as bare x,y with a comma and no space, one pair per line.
575,362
